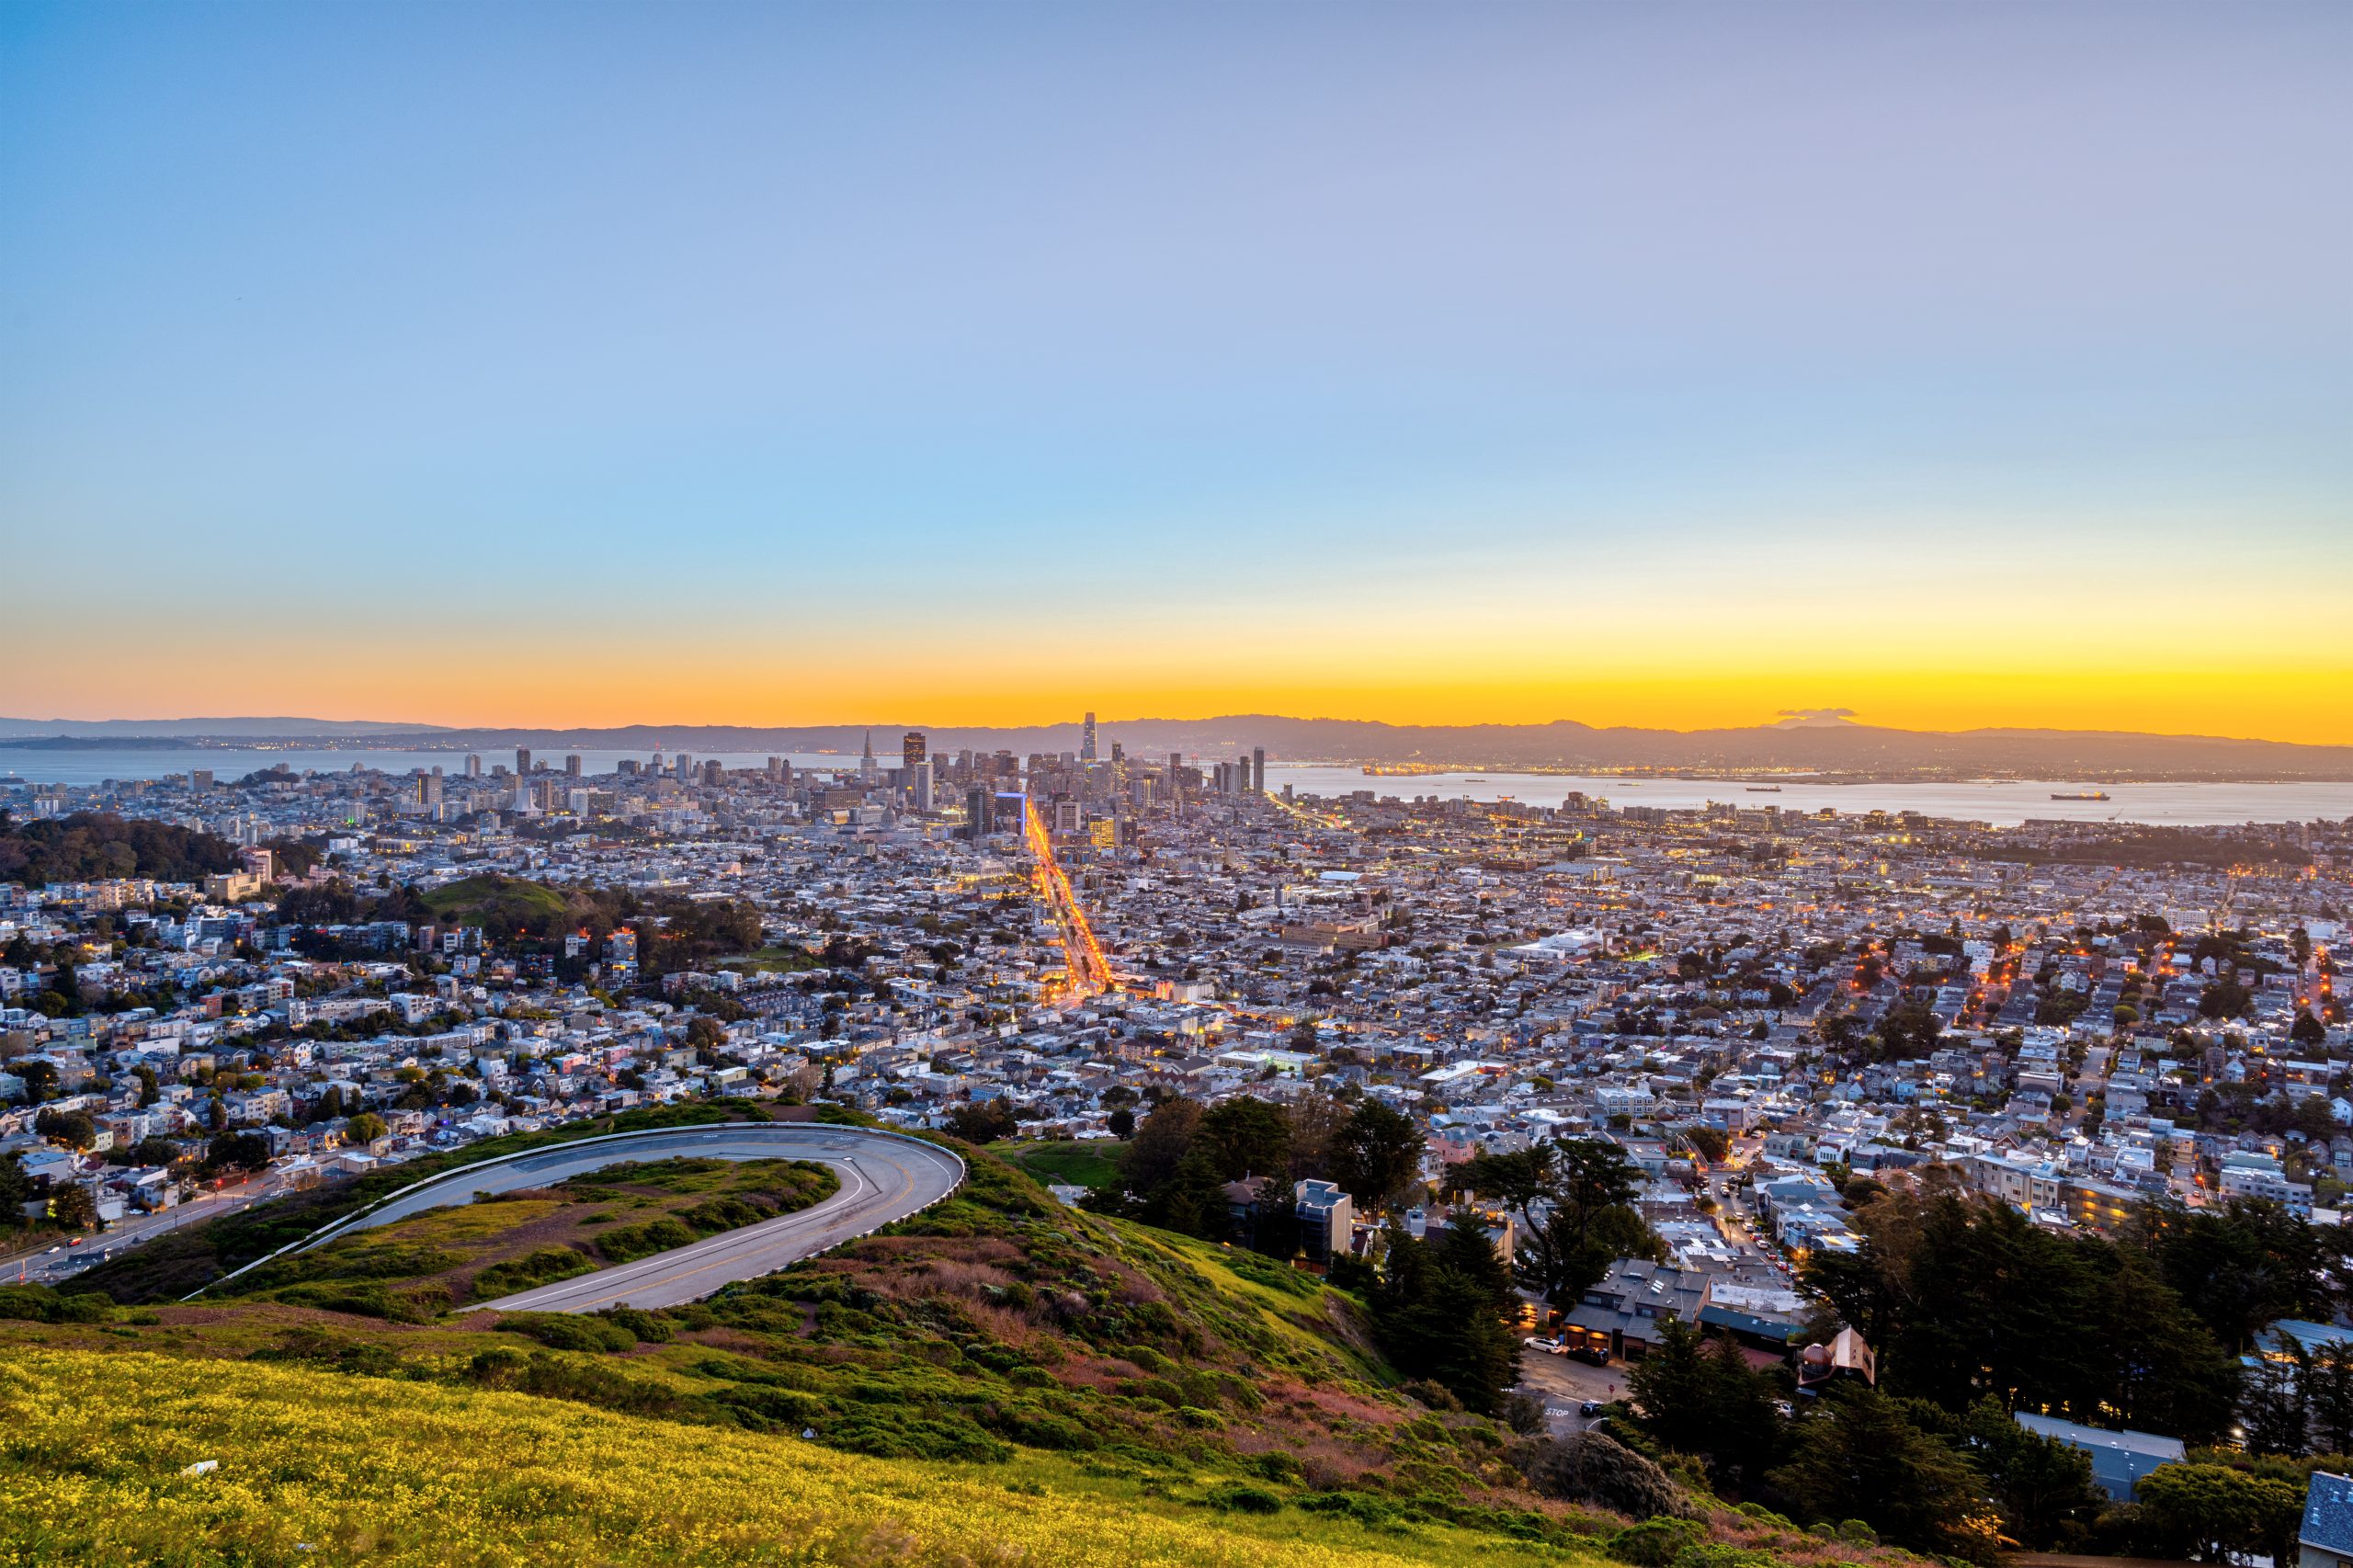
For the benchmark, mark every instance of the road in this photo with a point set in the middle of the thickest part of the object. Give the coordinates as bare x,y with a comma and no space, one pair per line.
53,1263
1565,1383
884,1179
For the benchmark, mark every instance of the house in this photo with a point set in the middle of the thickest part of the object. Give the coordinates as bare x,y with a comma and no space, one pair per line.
1846,1357
1623,1315
2118,1459
1324,1216
2325,1537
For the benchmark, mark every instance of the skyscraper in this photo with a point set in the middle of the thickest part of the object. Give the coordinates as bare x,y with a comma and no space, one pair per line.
911,749
916,781
473,765
866,769
1086,741
572,765
522,759
1258,769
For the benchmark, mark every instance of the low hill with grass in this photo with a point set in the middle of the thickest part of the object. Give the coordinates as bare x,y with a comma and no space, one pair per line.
97,1454
1000,1377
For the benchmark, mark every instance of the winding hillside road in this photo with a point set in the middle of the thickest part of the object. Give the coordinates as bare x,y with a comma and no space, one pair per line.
884,1177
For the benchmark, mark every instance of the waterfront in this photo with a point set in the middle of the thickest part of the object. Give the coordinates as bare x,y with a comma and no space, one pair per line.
229,763
2003,802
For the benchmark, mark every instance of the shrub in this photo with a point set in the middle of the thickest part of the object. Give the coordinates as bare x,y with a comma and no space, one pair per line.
649,1328
539,1266
1595,1468
1246,1499
1275,1465
562,1331
368,1298
1434,1396
1653,1543
39,1303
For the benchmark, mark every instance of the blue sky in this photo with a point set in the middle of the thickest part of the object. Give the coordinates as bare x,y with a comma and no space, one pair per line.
1466,358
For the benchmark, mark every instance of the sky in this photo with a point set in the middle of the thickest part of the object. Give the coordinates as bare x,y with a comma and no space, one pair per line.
1668,365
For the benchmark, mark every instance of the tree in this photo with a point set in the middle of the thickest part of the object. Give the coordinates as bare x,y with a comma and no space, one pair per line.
71,1207
2215,1511
1857,1457
1376,1154
365,1128
74,1129
1700,1396
2043,1486
2240,1265
1121,1122
982,1121
1591,1185
1246,1136
1316,1119
1160,1142
40,1078
1710,1143
1438,1312
1907,1031
240,1150
2307,1029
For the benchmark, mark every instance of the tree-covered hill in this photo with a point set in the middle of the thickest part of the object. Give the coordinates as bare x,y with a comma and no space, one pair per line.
92,846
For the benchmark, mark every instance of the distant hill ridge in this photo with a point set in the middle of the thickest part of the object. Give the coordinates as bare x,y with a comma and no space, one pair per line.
1834,747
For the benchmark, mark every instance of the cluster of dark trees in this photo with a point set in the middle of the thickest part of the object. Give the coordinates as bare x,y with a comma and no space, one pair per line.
530,916
1975,1313
1964,1300
1176,1168
1441,1312
93,846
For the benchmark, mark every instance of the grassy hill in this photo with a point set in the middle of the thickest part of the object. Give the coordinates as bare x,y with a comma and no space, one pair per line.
318,1468
501,903
999,1377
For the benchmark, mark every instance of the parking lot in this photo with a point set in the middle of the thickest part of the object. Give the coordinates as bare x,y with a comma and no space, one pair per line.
1563,1383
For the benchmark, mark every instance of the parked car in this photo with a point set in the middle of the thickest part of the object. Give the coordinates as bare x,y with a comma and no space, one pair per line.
1590,1409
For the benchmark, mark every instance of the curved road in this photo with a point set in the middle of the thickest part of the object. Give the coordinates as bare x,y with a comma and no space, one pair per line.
883,1177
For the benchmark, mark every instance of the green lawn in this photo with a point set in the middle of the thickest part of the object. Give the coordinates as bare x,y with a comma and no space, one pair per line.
791,958
1092,1165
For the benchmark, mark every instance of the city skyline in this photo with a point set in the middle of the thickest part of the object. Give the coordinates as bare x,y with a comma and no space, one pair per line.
573,367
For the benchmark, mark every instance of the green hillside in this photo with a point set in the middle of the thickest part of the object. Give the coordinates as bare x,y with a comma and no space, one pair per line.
323,1469
1000,1376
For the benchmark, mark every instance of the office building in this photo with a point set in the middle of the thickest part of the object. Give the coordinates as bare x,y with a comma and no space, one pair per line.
714,773
867,774
473,765
912,750
1086,741
572,765
1258,769
522,759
